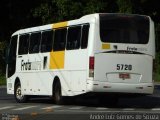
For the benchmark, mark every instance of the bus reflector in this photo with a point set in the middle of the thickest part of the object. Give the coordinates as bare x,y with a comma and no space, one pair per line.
91,66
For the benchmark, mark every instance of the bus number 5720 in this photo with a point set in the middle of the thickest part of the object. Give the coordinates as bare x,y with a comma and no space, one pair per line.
124,67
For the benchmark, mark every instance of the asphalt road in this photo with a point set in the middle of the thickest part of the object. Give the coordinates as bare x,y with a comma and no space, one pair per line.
145,107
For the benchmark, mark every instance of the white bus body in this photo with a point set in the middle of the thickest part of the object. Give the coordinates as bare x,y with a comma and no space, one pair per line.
117,58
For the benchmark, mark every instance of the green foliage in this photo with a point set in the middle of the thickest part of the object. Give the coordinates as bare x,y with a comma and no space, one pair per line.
93,6
157,30
2,79
68,9
125,6
19,14
157,64
3,45
60,10
43,12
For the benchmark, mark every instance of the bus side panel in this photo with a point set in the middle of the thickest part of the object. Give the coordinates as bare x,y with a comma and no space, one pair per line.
33,72
76,65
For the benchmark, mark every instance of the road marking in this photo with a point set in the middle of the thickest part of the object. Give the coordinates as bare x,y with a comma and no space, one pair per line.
7,107
102,111
34,113
24,108
51,107
75,108
89,111
155,109
101,108
128,109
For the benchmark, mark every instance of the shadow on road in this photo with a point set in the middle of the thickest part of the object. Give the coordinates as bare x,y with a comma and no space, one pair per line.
139,102
145,102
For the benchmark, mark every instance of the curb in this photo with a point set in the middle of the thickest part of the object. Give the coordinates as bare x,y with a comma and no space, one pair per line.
157,83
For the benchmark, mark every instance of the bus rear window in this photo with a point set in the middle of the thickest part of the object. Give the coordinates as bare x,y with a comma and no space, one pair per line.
121,28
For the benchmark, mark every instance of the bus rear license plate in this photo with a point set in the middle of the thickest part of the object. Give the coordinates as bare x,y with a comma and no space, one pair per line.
124,76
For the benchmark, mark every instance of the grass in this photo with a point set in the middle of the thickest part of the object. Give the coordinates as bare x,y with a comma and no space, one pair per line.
2,79
157,71
158,78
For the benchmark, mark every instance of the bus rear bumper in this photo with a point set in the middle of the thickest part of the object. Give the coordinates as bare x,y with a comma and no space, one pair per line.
140,88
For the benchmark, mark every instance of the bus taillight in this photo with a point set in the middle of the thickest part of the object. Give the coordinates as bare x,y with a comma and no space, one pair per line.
91,66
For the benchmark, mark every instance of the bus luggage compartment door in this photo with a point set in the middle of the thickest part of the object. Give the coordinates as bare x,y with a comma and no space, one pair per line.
123,68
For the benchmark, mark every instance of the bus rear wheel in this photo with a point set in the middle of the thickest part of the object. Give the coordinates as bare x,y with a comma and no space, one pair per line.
57,93
18,94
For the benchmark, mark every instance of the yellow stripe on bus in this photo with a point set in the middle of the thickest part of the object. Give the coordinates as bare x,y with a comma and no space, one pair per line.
57,60
57,57
60,24
106,46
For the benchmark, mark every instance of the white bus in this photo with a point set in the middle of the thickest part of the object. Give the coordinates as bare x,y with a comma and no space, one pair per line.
98,53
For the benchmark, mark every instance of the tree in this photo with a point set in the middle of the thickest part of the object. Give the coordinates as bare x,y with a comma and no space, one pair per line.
60,10
19,14
125,6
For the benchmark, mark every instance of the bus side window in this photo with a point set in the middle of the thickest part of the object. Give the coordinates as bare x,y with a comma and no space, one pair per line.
84,40
59,39
12,56
23,44
73,38
46,41
34,42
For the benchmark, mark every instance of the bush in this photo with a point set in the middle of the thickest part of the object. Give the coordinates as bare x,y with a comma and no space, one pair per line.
157,67
2,79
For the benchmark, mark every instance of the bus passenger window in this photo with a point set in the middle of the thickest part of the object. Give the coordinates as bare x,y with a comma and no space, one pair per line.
73,38
34,42
59,39
12,56
85,32
23,44
46,41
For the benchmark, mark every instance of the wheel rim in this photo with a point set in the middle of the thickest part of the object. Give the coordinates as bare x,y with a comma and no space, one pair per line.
19,96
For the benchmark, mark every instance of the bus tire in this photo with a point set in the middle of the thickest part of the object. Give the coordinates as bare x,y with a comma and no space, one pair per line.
57,93
17,94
